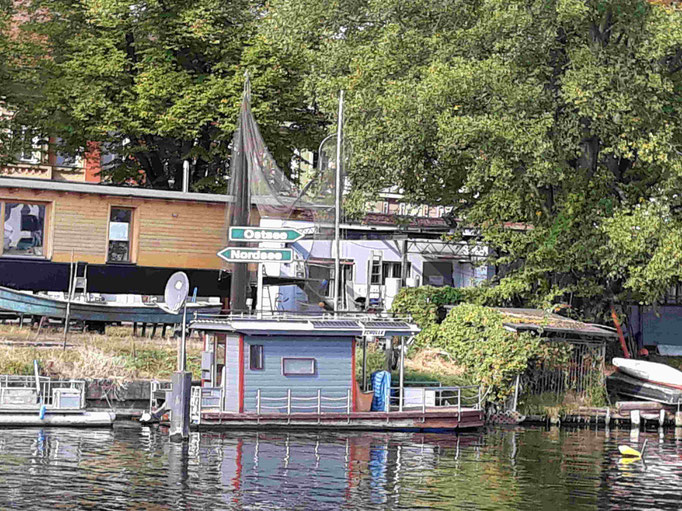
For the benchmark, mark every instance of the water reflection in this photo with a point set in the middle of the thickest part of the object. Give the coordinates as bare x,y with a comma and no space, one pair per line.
498,469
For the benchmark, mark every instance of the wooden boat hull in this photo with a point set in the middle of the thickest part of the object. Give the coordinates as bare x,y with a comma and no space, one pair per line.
625,385
653,372
36,305
54,418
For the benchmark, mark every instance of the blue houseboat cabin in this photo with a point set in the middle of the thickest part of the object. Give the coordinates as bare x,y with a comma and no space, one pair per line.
300,370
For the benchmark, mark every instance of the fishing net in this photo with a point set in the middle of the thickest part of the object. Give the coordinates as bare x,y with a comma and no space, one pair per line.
255,178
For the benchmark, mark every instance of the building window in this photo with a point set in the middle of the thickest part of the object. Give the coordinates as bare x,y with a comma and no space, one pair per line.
298,366
65,159
120,229
346,272
24,229
391,269
256,360
29,146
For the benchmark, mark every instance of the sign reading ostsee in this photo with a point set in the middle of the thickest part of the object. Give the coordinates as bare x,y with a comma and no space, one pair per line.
284,235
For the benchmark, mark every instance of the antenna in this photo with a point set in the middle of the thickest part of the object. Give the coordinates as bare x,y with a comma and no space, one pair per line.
177,289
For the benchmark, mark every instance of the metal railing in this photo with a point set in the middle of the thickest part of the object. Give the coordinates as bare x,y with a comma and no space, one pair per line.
306,316
313,404
31,391
158,390
467,396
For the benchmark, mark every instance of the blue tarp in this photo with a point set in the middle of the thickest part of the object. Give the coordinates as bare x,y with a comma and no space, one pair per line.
381,383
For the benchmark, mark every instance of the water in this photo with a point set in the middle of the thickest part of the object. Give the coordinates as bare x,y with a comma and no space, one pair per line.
132,468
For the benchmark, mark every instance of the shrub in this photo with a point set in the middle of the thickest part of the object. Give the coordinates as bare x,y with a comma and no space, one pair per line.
492,355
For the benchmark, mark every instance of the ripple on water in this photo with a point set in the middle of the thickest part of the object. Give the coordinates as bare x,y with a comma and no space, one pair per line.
496,469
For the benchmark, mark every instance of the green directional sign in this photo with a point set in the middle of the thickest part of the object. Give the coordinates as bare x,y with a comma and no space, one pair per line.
256,255
283,235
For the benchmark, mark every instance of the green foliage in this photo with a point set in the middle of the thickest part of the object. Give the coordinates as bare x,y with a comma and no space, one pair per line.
157,83
422,302
476,338
538,120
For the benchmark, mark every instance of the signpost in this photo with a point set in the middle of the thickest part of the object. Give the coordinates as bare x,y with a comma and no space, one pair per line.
264,234
256,255
259,255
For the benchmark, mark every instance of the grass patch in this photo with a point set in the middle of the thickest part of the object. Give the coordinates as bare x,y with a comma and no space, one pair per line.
117,355
422,365
551,404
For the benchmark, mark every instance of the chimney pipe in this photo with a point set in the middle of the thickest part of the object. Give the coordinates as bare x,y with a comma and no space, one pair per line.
185,176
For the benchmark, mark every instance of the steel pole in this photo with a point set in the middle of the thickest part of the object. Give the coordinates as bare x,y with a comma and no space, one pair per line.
182,359
337,215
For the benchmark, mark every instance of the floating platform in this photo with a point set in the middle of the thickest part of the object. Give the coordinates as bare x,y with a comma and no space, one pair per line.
432,419
53,418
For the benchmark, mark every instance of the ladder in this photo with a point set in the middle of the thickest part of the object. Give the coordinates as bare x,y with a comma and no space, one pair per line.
79,282
374,280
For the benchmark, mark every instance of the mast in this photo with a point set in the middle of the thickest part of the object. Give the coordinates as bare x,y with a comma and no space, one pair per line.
337,209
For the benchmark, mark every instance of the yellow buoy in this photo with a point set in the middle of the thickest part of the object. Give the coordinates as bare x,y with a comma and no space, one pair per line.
626,450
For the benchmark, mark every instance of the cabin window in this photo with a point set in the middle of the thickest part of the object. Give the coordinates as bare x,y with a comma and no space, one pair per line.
24,233
298,366
256,362
120,229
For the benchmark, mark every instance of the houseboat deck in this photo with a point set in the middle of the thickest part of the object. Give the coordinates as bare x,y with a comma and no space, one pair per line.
441,418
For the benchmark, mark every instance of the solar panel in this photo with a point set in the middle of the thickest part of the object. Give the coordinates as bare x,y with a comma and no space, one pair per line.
334,323
386,324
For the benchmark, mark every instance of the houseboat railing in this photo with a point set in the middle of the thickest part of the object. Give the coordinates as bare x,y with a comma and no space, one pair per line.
466,396
291,403
303,316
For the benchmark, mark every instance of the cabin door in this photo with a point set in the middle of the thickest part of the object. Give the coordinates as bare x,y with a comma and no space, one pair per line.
233,367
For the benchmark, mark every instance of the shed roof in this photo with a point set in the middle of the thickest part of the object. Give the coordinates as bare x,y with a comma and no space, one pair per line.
307,325
540,320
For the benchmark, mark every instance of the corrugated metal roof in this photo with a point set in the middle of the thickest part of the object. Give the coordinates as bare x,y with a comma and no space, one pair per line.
538,319
301,325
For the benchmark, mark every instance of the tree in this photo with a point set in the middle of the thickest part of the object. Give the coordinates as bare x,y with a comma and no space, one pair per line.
543,122
157,82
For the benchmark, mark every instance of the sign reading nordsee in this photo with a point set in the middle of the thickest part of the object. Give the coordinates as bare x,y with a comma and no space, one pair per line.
256,255
283,235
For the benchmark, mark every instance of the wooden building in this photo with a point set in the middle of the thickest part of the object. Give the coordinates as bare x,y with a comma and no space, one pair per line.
131,238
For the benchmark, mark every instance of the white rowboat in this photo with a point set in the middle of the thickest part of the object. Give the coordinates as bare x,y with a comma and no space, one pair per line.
653,372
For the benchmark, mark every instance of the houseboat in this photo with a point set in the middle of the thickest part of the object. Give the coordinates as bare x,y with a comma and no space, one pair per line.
299,371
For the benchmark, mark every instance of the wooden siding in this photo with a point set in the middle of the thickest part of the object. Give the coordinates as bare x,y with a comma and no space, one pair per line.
332,375
166,233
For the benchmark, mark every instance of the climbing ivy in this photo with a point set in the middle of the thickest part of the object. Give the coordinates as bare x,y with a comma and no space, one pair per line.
492,355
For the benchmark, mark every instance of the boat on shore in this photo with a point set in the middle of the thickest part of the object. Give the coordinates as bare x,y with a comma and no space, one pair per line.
22,302
651,372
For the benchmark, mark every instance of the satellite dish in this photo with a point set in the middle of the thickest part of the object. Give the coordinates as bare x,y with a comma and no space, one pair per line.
177,289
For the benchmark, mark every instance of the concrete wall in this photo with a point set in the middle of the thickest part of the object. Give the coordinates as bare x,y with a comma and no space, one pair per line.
333,374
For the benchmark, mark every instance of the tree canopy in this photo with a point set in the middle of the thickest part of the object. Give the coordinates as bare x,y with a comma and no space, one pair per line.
549,125
157,82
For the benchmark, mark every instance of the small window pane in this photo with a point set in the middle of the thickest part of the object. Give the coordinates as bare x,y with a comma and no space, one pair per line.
119,235
24,229
298,366
256,356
